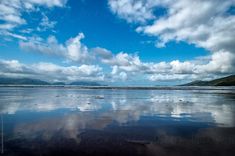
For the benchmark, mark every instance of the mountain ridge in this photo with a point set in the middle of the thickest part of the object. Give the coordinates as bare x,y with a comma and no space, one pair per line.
224,81
30,81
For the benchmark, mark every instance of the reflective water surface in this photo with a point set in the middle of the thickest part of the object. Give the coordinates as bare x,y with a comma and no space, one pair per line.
72,121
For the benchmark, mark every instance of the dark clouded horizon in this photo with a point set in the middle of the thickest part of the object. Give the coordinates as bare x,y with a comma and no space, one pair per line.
124,42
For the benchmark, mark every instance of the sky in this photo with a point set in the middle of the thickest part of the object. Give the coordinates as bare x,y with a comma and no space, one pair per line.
117,42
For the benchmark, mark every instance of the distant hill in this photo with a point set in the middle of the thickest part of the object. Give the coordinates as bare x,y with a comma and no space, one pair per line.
84,83
58,83
28,81
225,81
22,81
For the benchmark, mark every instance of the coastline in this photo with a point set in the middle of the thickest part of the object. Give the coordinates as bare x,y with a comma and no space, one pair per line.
126,87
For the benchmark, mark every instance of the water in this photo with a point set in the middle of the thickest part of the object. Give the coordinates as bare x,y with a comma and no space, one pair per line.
73,121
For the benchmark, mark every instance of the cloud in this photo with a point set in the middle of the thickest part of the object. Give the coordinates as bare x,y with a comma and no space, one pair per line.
221,62
211,28
132,10
129,66
51,72
168,77
11,12
11,65
102,53
46,24
15,35
117,75
205,23
185,67
70,73
121,59
72,49
48,3
76,50
7,26
124,66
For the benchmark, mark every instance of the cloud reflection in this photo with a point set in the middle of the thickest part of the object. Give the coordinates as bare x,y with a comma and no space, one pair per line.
123,106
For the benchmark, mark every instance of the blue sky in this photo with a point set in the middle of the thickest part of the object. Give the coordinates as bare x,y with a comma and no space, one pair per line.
119,42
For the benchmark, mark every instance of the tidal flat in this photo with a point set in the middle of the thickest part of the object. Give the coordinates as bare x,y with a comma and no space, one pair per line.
117,121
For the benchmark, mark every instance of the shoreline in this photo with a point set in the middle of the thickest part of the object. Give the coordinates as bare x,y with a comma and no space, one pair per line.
124,87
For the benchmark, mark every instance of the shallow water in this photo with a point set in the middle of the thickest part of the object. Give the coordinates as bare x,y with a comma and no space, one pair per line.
73,121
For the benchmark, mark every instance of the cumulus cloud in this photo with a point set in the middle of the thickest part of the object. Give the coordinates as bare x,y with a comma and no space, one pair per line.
76,50
51,72
126,66
212,27
69,73
122,59
205,23
72,49
221,62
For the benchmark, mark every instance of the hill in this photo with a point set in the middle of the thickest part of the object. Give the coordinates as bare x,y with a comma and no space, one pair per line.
28,81
225,81
58,83
22,81
84,83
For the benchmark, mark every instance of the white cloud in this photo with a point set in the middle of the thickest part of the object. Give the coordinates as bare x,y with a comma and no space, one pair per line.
182,67
221,62
50,46
46,24
212,27
117,75
51,72
11,12
122,59
48,3
124,66
13,68
72,50
15,35
127,66
7,26
204,23
167,77
76,50
13,19
70,73
133,10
